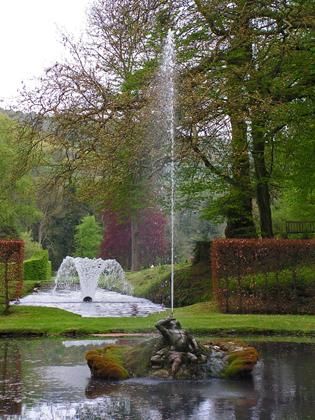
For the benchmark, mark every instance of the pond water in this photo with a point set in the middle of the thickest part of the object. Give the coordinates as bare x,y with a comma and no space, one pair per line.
48,379
106,303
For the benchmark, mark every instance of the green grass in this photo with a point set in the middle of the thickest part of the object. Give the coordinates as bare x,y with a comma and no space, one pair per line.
305,277
192,283
28,285
144,280
200,318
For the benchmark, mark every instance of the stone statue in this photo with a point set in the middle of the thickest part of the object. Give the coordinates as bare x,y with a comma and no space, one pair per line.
179,347
177,338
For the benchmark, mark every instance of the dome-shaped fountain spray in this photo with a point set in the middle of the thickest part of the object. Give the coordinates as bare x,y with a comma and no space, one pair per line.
88,274
92,288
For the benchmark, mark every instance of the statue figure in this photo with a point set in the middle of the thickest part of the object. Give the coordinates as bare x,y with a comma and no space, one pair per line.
177,338
180,347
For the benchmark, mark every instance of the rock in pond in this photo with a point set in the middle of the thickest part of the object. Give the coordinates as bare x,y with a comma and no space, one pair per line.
176,354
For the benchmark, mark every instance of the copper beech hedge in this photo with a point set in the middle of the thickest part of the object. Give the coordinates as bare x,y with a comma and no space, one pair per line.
11,270
264,275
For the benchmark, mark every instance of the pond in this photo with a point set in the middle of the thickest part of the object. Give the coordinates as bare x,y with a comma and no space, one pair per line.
106,303
48,379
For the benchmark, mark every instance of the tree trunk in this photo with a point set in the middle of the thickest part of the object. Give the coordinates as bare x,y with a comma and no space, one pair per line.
135,250
262,181
6,289
240,222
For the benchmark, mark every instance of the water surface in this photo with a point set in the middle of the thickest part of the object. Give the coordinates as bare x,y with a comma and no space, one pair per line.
105,304
48,379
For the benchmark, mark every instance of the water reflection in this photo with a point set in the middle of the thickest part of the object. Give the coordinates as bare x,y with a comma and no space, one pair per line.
10,379
175,399
48,379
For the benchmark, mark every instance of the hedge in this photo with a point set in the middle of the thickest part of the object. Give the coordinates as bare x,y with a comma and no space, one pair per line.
37,267
264,275
11,270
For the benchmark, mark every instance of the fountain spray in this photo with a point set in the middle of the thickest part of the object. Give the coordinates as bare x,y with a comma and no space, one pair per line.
168,69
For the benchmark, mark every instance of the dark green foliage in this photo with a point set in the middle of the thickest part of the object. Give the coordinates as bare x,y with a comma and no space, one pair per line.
38,267
8,232
88,236
64,213
191,285
49,270
253,62
136,81
17,190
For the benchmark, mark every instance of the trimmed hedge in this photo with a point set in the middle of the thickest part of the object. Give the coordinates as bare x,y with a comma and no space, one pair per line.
11,271
264,275
37,267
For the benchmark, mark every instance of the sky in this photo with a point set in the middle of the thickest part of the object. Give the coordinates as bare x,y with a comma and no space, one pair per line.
30,39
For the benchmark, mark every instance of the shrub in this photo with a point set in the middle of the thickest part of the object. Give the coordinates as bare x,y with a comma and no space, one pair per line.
264,276
38,267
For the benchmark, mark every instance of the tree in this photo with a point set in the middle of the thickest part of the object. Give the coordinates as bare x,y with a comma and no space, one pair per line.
88,236
61,213
151,239
295,200
90,110
17,204
240,69
240,80
31,247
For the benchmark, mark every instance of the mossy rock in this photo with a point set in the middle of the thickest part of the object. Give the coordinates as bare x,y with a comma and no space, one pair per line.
240,358
226,359
107,363
122,362
241,363
138,358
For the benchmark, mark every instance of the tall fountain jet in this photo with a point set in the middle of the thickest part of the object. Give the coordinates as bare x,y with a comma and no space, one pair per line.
167,73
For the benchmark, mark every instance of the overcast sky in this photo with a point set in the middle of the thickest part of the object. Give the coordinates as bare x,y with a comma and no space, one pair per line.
30,38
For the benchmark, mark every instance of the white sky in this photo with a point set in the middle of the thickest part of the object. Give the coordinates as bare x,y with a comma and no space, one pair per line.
30,38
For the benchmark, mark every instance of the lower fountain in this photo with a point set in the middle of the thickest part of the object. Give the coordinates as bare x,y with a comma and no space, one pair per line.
88,274
176,354
92,288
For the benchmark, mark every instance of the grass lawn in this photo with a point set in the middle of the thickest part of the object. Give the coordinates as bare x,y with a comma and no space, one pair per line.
201,318
192,283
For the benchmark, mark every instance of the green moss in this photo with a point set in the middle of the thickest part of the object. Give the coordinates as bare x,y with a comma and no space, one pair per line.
138,358
107,363
240,363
